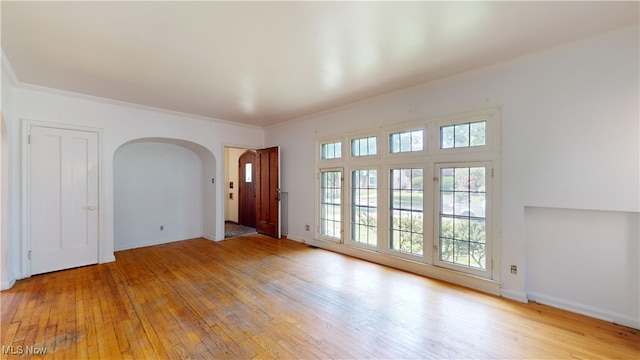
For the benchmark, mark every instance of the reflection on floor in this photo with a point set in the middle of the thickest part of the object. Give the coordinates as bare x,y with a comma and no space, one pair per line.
232,229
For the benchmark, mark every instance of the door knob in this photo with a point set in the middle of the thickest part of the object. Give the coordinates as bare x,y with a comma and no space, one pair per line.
91,208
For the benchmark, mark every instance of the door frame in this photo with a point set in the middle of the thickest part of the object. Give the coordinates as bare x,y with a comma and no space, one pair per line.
222,185
25,238
241,185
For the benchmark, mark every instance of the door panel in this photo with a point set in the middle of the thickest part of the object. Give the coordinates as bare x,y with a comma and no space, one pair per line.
63,198
268,192
247,189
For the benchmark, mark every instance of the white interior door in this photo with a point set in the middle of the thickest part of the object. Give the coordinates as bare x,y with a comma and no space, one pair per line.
63,198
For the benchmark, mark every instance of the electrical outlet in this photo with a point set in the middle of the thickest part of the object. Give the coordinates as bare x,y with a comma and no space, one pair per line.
306,227
161,227
514,269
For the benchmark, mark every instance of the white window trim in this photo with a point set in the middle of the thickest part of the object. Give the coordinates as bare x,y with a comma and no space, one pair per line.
427,221
318,216
490,116
348,183
426,141
330,140
489,216
429,158
364,135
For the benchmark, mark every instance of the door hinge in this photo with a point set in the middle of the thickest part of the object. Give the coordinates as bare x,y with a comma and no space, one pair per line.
29,255
29,139
492,173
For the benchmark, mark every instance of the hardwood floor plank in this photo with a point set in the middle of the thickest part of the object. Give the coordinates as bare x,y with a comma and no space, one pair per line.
255,297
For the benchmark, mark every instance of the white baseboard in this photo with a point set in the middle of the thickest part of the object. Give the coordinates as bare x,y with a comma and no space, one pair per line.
160,242
210,238
107,259
514,295
586,310
295,238
6,285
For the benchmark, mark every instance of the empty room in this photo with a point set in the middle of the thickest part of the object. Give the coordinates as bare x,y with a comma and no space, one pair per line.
332,180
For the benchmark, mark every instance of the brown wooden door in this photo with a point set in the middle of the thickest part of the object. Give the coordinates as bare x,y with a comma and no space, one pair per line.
247,189
268,192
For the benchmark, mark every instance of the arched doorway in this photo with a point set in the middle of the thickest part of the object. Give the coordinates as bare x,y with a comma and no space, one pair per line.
163,191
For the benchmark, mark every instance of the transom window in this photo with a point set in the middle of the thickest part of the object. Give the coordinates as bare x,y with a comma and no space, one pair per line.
364,146
331,150
426,197
407,204
364,206
463,135
406,141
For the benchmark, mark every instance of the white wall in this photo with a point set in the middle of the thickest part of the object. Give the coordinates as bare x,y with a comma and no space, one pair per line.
9,178
121,123
570,127
583,260
156,184
6,114
5,279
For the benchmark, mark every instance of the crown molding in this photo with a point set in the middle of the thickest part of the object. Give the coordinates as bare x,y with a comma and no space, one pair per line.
11,75
108,101
8,69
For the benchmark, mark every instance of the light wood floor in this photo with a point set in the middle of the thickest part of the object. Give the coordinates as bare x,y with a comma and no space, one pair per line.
257,297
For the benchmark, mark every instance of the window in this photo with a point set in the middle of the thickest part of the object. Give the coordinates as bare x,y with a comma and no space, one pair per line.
462,215
364,146
331,203
463,135
364,206
331,150
407,203
406,141
426,197
247,172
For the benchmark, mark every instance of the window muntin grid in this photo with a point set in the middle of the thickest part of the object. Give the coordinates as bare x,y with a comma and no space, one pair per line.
406,210
331,150
481,151
463,135
406,141
331,204
462,216
364,206
364,146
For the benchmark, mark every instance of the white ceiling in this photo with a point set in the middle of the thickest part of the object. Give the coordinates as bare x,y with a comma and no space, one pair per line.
262,63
